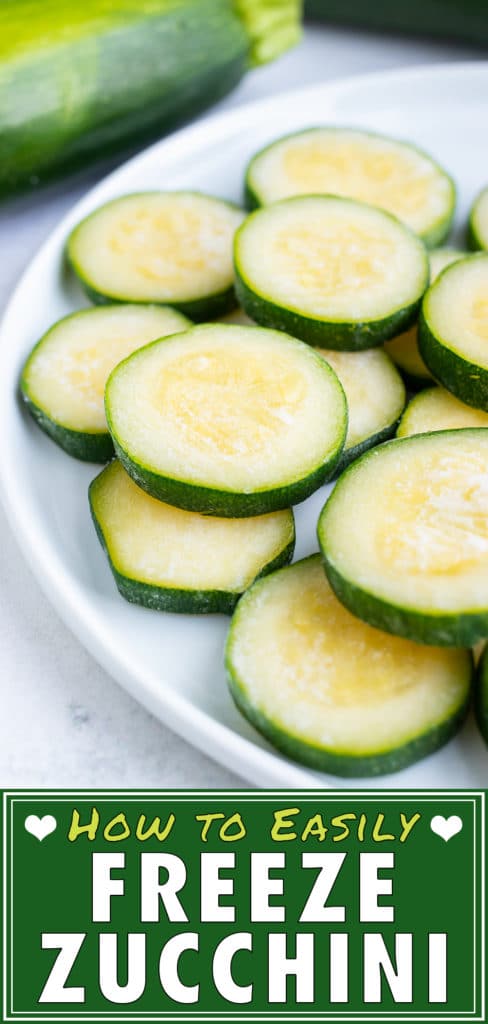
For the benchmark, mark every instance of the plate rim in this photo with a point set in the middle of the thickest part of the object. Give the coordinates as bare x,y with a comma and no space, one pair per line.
257,764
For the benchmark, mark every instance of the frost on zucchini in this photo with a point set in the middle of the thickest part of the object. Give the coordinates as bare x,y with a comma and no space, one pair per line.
330,691
167,247
478,222
453,330
393,175
333,272
227,420
176,561
63,380
436,409
404,349
404,537
375,396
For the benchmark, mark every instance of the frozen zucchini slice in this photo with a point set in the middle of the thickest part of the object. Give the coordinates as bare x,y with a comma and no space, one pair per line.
176,561
440,259
227,420
478,222
361,165
404,352
63,380
329,690
168,247
405,537
333,272
481,695
453,330
238,316
375,396
404,349
436,409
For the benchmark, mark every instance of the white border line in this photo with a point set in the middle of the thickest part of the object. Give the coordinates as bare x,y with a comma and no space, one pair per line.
474,797
74,603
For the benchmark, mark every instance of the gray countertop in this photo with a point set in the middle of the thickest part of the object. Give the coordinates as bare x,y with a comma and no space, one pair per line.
64,721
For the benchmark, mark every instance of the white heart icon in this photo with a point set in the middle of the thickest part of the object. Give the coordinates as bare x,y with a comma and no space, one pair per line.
446,828
40,827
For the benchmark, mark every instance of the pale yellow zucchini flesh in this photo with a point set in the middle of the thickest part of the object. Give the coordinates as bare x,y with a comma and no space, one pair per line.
334,272
67,371
230,415
181,561
167,247
405,537
374,391
360,165
404,350
436,409
329,689
478,222
456,309
332,259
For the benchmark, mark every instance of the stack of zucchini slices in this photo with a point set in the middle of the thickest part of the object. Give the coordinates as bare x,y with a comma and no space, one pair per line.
221,419
404,349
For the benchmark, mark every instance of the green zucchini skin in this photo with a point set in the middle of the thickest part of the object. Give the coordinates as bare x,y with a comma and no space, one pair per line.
87,445
433,237
340,335
228,504
211,307
346,766
474,240
349,455
165,599
446,630
481,695
440,19
200,309
82,445
220,501
438,631
317,753
466,380
87,80
436,236
351,337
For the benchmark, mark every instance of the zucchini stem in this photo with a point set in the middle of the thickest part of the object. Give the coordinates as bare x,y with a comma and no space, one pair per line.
273,26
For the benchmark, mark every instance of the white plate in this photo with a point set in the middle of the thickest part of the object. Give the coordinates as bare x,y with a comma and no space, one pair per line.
171,663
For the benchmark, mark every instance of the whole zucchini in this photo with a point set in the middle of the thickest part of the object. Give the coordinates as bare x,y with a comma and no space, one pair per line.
461,20
81,80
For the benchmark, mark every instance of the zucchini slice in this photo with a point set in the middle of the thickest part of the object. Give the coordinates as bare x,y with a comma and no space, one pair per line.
63,380
227,420
176,561
453,330
436,409
167,247
440,259
404,349
332,692
375,396
405,537
481,695
238,316
478,222
333,272
393,175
